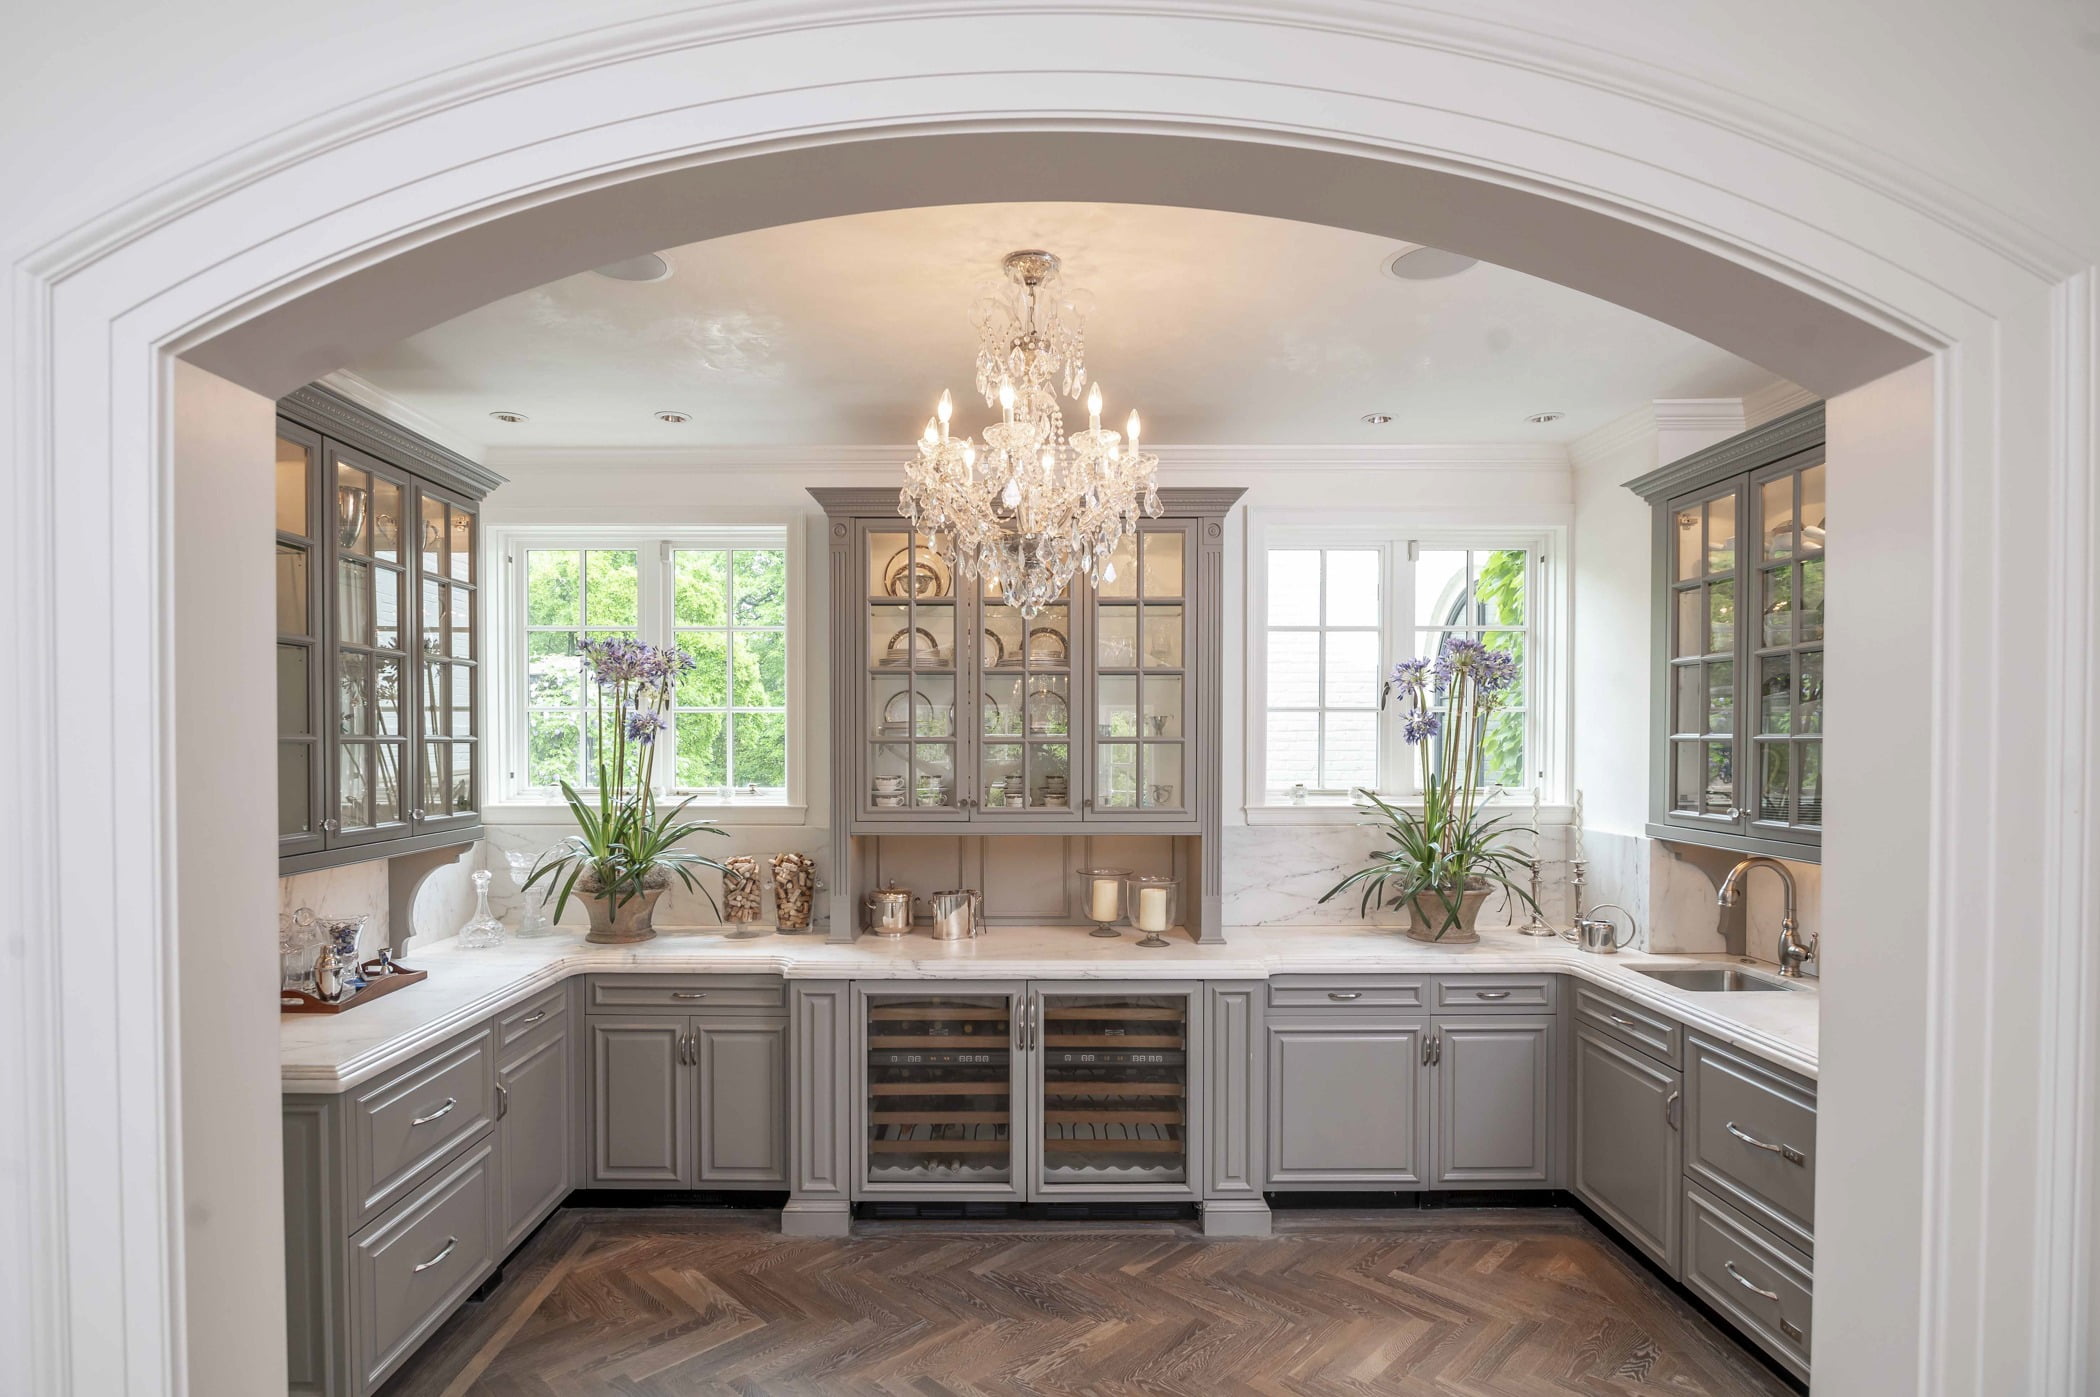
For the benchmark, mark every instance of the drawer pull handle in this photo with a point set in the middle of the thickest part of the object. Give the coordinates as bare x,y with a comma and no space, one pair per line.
443,1252
1670,1109
535,1016
1621,1020
1491,994
1785,1152
1345,994
1746,1283
688,994
439,1114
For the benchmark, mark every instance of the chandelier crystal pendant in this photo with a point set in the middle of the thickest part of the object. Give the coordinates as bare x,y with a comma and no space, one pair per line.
1030,507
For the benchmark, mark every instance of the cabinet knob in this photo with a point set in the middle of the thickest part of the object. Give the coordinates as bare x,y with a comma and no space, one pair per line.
331,826
1735,813
416,814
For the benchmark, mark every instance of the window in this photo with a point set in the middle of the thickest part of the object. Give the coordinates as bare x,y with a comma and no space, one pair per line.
1335,608
723,597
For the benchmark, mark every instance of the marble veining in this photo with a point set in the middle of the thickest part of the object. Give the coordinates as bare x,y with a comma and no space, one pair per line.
335,1052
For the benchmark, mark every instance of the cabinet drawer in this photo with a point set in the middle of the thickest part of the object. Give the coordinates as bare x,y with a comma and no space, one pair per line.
1348,991
1750,1139
1657,1035
1761,1285
405,1123
413,1267
688,993
1471,992
540,1013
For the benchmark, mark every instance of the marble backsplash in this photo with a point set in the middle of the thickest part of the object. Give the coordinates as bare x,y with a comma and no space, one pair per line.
1276,874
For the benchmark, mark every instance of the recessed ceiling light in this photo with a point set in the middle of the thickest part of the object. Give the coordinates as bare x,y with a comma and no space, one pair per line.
647,267
1540,419
513,417
674,418
1426,264
1378,419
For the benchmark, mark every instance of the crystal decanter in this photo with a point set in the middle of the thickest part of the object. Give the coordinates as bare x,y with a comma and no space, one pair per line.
482,929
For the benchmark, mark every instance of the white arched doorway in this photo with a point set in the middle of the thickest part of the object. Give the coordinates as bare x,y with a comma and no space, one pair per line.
423,202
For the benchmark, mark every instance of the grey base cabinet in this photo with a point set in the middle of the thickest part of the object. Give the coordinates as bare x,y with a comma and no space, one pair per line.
1626,1143
1494,1100
402,1195
687,1100
1347,1106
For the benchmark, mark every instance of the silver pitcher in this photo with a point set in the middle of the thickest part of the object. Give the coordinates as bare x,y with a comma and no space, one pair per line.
889,911
954,914
1595,933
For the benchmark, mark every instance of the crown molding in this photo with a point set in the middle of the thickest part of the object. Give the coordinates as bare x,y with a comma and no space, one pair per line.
887,462
330,413
397,410
1619,434
1776,399
1800,430
1697,414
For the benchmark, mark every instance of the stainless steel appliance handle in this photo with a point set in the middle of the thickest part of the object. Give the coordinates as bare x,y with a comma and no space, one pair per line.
1784,1151
1746,1283
443,1252
439,1114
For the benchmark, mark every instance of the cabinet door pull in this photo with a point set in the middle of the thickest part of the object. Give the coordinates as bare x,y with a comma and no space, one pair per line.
1425,1050
1621,1020
1746,1283
502,1101
1491,994
535,1016
1345,994
443,1252
1670,1109
438,1114
1784,1151
688,994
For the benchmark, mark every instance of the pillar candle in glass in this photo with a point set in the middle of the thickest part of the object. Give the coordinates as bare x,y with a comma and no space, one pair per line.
1101,898
1152,906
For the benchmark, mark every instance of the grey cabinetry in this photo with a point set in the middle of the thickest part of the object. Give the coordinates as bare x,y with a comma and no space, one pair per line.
1740,538
1625,1149
1347,1106
535,1141
1494,1100
694,1099
378,660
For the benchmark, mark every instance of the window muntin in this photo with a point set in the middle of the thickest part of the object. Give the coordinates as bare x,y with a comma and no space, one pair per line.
1481,594
724,601
1325,652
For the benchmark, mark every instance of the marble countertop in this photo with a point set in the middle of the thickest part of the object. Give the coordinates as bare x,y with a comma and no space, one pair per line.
334,1052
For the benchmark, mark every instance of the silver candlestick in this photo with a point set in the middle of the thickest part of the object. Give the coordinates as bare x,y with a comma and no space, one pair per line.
1537,926
1577,876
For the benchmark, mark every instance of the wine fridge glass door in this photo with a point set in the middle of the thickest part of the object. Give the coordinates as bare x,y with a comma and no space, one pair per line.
1115,1089
939,1093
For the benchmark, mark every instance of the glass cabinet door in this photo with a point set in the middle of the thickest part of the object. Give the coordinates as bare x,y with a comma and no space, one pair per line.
365,506
1142,698
1703,651
299,646
1114,1087
938,1091
448,595
1786,649
1025,709
914,634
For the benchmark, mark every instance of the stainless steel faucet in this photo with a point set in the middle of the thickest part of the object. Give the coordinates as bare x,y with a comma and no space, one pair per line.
1792,950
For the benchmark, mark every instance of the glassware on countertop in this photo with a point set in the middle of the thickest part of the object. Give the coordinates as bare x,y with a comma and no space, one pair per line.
1152,909
532,902
482,930
344,934
298,941
1101,896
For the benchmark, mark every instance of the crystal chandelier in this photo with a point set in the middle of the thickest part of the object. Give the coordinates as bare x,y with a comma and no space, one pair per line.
1032,506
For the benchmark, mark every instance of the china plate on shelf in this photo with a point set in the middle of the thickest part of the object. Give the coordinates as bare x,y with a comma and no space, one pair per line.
928,570
1047,645
1052,717
897,654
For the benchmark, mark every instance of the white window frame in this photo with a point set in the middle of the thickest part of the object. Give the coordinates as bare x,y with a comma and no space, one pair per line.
506,797
1547,701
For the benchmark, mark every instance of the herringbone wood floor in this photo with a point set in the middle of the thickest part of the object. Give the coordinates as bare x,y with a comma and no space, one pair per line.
665,1303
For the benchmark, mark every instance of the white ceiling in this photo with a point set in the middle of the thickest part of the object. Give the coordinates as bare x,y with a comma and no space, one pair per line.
1223,329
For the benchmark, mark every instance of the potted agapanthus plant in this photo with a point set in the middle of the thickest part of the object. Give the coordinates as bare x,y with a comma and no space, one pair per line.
626,852
1442,863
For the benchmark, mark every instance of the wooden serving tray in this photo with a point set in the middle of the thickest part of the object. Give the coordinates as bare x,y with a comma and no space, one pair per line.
300,1002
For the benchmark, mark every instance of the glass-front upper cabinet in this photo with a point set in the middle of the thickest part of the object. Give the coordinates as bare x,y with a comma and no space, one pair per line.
371,635
912,634
1740,541
1025,705
300,659
1142,676
378,614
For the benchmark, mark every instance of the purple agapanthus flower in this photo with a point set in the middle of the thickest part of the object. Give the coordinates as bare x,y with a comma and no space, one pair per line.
1412,673
643,724
1420,726
1494,671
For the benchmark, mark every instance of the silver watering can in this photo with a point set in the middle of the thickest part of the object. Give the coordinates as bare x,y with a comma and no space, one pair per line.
1596,934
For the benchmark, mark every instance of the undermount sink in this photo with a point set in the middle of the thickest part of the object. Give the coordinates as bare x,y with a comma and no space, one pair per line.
1712,978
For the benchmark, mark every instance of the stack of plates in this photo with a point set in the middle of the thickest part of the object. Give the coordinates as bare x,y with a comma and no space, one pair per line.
932,791
1055,791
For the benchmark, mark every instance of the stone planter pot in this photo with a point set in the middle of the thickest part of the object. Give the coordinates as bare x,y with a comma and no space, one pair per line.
1428,916
632,921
